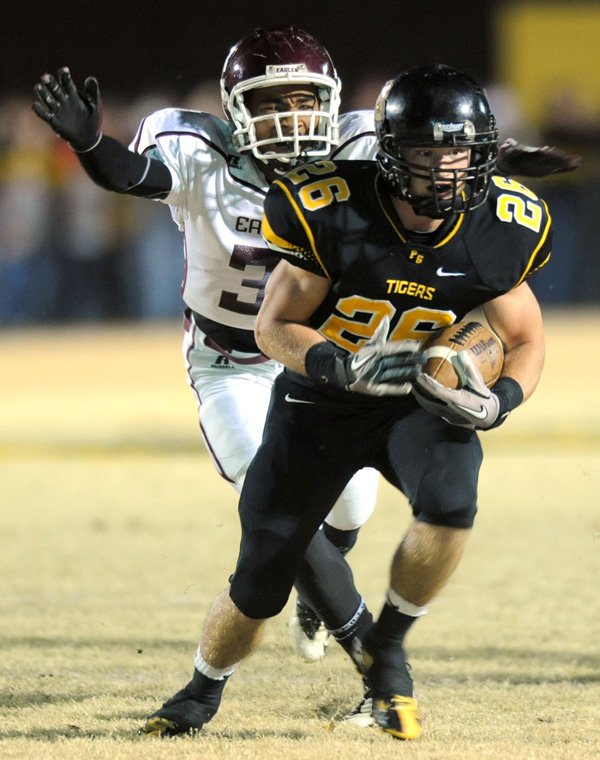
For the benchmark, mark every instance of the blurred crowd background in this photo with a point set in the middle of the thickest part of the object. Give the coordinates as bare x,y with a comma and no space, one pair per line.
71,252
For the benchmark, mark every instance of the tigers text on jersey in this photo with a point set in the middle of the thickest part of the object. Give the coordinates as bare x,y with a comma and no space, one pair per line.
217,201
338,221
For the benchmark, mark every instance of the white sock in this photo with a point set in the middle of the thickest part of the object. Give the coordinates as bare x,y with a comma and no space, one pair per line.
402,605
217,674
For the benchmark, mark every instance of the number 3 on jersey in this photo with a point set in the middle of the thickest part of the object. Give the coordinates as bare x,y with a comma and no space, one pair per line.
255,265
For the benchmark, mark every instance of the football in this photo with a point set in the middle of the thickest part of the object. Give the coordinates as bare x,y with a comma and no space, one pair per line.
443,346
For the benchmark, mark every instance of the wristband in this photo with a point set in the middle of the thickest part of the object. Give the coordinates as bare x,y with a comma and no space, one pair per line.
325,364
510,395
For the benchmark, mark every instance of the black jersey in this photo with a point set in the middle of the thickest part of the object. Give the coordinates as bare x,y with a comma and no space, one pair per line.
337,220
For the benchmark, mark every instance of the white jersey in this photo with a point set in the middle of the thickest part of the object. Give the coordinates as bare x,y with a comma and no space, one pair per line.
217,202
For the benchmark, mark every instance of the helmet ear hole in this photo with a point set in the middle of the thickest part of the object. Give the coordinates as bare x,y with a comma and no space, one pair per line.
281,56
435,106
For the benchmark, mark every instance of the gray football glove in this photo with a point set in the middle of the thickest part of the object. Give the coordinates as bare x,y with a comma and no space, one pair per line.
75,116
383,368
474,406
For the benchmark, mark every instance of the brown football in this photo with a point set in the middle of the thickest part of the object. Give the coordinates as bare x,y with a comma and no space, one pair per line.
442,347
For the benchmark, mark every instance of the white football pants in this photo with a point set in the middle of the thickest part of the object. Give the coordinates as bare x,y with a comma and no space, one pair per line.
233,398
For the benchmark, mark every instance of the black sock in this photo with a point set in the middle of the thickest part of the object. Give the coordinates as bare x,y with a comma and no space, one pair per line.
391,627
389,673
207,690
354,631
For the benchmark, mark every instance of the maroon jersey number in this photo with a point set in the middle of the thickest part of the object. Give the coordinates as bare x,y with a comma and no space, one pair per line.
256,264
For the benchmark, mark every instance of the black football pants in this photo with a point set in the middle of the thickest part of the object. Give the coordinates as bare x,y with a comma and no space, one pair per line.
308,454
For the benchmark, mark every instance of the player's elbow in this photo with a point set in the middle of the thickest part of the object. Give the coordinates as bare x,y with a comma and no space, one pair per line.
263,331
263,321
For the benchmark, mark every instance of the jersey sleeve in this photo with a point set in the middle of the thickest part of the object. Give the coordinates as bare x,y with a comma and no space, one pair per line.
542,249
519,241
287,232
357,137
188,143
149,141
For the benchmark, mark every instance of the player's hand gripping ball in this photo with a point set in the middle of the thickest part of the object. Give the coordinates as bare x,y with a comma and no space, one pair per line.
441,350
461,363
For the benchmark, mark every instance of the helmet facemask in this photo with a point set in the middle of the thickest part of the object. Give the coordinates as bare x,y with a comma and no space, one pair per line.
436,107
319,132
451,190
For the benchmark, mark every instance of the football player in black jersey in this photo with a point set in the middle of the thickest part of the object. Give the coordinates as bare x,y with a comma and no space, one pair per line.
374,257
75,115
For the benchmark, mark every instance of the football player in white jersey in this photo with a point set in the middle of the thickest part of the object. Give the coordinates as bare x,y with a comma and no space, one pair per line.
281,97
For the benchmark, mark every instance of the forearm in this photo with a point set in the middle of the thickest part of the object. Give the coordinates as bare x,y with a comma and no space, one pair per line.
112,166
516,318
524,364
287,342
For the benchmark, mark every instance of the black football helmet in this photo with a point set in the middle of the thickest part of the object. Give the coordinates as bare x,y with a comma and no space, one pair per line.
434,106
281,56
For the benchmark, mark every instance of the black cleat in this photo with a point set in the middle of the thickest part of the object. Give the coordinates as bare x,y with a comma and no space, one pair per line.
398,716
188,710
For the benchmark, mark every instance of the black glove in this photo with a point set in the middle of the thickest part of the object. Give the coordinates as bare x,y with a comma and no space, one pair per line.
75,116
527,161
379,368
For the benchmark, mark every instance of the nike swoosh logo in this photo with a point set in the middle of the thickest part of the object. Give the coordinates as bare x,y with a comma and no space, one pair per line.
292,400
359,359
440,273
480,415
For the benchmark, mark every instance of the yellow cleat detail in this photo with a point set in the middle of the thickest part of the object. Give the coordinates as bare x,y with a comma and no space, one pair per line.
159,727
398,716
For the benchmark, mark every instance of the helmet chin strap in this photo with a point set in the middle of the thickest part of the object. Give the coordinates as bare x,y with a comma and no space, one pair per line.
426,208
282,166
429,212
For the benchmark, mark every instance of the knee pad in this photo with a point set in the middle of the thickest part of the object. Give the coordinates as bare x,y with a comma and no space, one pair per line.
450,501
262,581
258,602
455,518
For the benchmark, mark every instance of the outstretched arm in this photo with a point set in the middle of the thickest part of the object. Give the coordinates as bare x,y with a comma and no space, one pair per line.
76,116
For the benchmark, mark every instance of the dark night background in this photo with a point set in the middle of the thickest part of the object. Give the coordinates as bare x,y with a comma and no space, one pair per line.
148,55
130,45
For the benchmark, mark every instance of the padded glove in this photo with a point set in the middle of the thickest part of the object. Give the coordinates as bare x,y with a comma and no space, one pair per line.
75,116
379,368
474,406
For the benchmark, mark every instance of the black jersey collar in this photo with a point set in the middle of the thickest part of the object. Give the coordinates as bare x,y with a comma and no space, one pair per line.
436,239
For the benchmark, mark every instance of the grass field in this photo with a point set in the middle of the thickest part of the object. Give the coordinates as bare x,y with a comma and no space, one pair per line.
117,533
